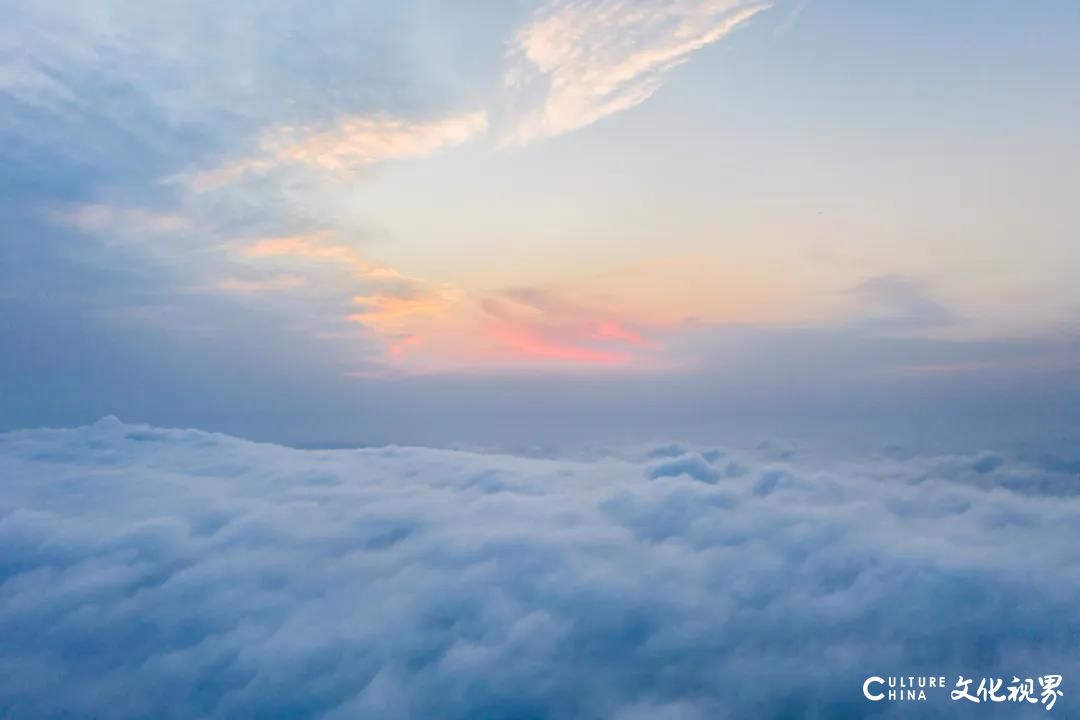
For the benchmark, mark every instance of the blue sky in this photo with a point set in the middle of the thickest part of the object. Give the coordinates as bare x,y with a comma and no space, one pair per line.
435,222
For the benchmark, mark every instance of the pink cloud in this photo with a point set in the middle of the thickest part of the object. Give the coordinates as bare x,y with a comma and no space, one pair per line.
524,342
614,330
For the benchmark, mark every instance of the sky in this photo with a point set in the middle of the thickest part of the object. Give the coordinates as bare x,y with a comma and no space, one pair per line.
431,222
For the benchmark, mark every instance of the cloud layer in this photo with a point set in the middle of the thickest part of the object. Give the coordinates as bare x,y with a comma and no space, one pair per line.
159,573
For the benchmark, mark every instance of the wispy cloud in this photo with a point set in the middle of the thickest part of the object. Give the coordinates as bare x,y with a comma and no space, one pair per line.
114,223
791,19
393,307
897,302
315,247
354,142
246,286
402,321
579,61
389,309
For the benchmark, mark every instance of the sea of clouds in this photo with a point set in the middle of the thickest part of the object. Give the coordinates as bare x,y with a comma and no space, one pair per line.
148,573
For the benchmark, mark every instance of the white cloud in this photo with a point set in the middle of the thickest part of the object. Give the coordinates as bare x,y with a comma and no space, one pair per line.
591,59
160,573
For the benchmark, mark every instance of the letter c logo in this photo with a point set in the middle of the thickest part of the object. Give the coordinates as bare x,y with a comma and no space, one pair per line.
866,688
